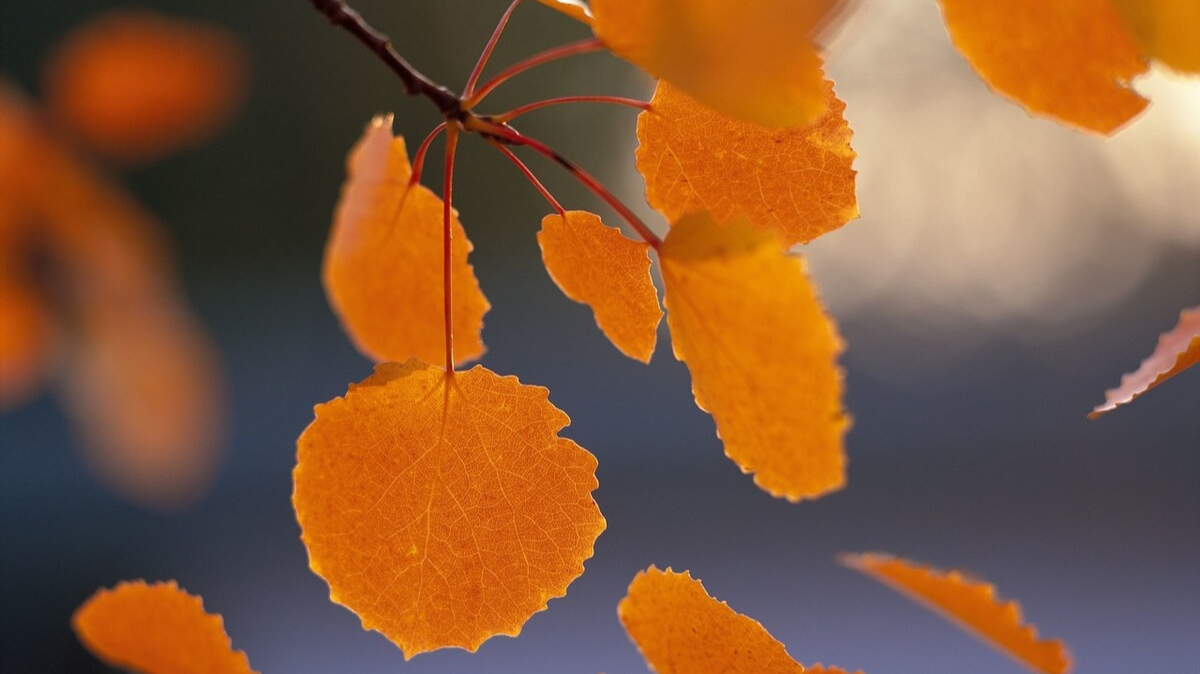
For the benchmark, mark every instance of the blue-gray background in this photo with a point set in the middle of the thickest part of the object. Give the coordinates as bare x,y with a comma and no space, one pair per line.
970,446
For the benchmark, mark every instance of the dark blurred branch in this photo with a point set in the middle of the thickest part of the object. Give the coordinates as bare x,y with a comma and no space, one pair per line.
416,84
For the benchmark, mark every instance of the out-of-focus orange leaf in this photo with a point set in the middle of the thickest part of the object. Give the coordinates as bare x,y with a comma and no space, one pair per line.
1168,30
1177,350
444,509
680,629
762,353
383,263
25,343
572,8
140,379
1071,60
156,629
796,182
143,385
598,266
754,59
969,603
136,86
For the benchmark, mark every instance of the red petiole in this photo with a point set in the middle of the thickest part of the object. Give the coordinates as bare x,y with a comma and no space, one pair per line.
447,241
469,89
533,180
554,54
505,117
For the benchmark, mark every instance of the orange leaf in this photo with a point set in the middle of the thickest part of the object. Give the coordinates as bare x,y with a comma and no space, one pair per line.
598,266
762,353
144,389
136,86
754,60
971,604
383,262
1168,30
796,182
1070,60
24,339
573,8
1177,350
444,509
156,629
680,629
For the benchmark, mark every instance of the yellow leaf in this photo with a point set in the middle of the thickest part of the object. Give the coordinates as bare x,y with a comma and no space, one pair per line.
1070,60
971,604
383,262
136,86
575,9
795,182
598,266
680,629
1177,350
762,353
156,629
444,509
1168,30
754,59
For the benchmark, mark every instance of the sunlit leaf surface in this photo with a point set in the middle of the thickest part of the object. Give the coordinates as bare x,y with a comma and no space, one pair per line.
1177,350
383,263
971,604
680,629
753,59
444,510
156,629
1167,30
598,266
762,353
1071,60
796,182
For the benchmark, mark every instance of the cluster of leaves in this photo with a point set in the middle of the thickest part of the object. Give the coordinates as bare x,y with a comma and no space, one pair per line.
88,295
443,507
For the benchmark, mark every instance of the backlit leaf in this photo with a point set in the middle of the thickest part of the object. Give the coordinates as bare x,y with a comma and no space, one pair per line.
444,510
1168,30
1071,60
762,353
135,86
598,266
156,629
24,339
680,629
969,603
753,59
575,9
1177,350
795,182
383,262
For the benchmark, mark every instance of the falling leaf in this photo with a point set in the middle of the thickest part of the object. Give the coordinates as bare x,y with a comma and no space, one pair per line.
156,629
1177,350
762,353
135,86
573,8
680,629
971,604
797,182
444,509
1071,60
755,60
598,266
383,264
1168,30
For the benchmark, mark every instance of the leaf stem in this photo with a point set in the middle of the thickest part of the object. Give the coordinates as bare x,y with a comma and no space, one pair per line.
528,175
418,163
488,49
510,135
506,117
447,240
570,49
415,84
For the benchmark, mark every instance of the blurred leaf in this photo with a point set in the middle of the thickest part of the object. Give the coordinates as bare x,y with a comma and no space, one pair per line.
1177,350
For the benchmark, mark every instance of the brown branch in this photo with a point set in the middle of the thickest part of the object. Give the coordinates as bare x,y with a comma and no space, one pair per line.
415,84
